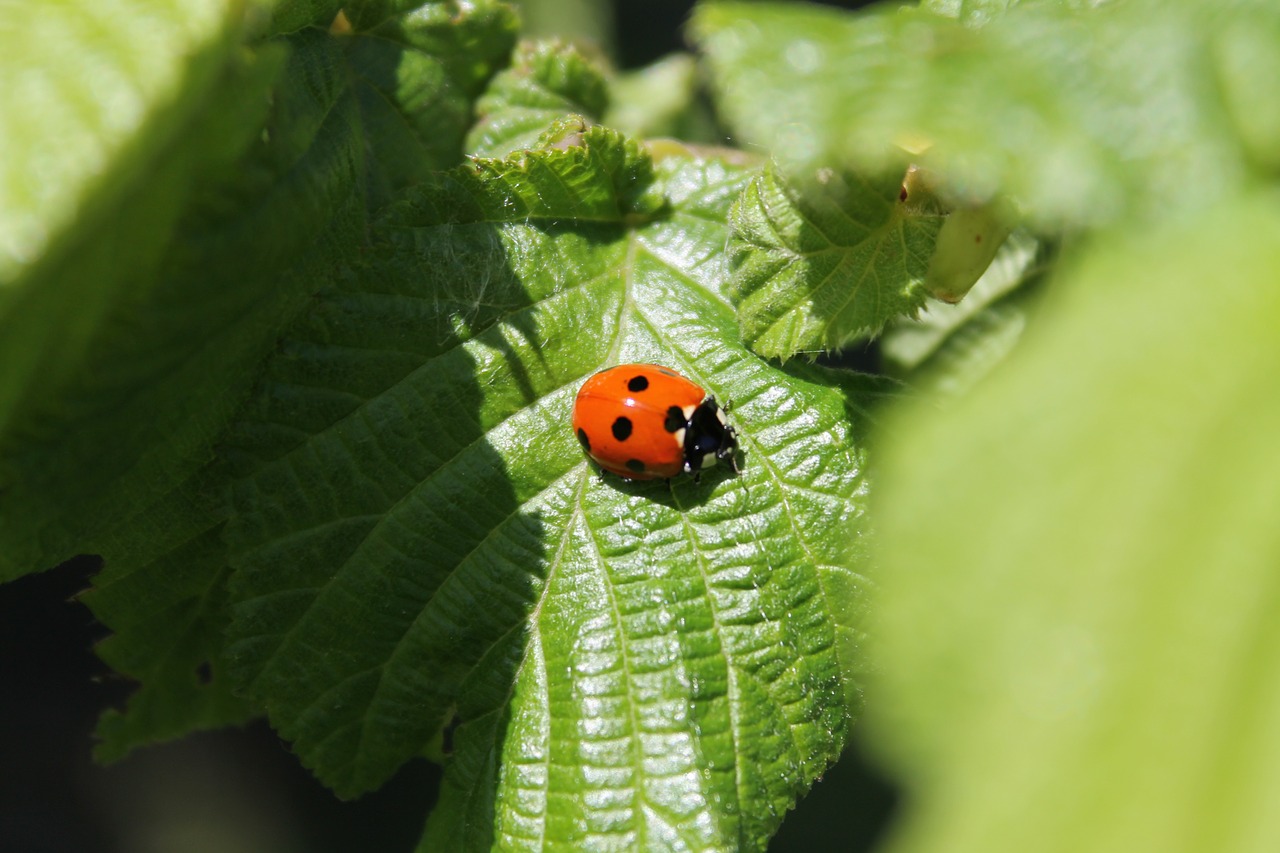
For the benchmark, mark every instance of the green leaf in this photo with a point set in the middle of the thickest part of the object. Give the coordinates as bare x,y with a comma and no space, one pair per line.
1080,605
910,341
1083,113
416,71
106,323
423,545
140,101
165,598
970,11
586,22
661,99
163,591
815,268
289,16
950,347
1247,64
252,248
977,347
546,82
187,261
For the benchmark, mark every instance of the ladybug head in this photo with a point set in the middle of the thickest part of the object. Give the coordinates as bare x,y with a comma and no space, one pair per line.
708,437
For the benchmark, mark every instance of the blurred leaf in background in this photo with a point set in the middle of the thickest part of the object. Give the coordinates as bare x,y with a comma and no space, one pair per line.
1078,551
1080,615
101,334
1082,113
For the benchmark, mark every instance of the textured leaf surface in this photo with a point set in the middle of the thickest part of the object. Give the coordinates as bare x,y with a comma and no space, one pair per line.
416,70
252,248
186,260
166,603
546,81
424,546
162,592
815,268
288,16
1080,604
1081,112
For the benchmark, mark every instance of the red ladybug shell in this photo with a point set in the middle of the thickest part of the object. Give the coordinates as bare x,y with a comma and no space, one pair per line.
646,422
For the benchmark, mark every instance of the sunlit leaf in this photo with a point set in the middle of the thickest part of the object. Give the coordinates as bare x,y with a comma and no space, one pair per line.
546,81
423,545
661,99
102,327
819,265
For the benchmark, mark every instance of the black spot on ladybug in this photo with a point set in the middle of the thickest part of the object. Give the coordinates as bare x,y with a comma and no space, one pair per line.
675,419
582,437
637,384
635,465
622,428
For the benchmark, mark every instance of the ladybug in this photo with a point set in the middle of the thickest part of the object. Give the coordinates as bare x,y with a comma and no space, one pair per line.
646,422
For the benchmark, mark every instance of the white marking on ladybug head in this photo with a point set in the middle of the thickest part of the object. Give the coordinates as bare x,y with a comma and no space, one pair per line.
679,437
720,417
708,460
688,411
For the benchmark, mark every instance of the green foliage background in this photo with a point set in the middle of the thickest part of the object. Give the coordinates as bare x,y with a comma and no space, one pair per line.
295,297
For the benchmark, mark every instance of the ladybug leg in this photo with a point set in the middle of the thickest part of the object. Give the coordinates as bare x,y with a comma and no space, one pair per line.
727,407
729,453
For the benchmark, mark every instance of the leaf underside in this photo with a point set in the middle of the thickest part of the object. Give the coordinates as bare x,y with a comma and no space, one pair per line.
818,266
546,81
